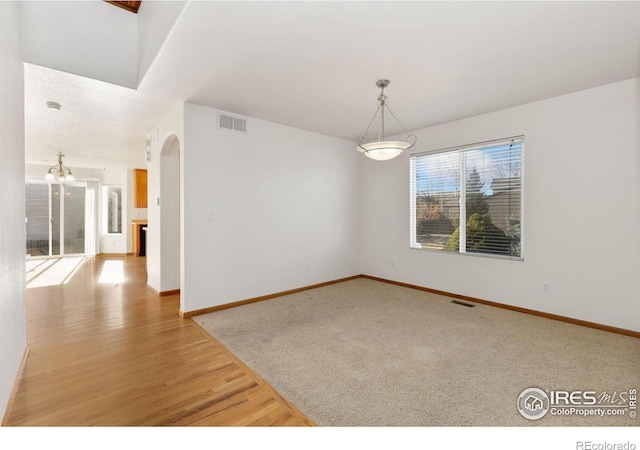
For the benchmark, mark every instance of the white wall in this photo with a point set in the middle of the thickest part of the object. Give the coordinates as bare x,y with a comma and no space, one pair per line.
637,146
265,211
170,215
13,311
581,211
155,22
163,269
89,38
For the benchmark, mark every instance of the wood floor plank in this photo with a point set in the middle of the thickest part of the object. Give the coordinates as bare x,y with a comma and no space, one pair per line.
118,355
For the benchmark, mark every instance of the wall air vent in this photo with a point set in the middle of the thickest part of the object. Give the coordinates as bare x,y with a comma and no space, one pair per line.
226,122
232,123
239,124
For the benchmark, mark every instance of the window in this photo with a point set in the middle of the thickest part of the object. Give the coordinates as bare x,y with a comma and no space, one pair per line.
113,209
468,199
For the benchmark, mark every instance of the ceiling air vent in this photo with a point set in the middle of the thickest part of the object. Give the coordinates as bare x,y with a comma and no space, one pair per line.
232,123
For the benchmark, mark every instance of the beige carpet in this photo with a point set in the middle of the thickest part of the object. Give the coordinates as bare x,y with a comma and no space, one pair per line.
366,353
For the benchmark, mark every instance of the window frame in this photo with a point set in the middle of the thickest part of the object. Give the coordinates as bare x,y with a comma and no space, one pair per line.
106,205
414,245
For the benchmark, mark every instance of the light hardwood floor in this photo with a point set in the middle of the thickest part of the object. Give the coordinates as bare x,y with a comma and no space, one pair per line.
107,354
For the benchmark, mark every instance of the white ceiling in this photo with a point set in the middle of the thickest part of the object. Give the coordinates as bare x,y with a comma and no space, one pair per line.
313,65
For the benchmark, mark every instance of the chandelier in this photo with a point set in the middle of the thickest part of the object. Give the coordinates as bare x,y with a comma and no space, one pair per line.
60,170
380,149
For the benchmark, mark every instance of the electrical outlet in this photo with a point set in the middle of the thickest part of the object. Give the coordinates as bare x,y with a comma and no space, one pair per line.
306,268
393,263
546,288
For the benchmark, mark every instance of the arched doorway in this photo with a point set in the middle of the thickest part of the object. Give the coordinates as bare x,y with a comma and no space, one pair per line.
170,216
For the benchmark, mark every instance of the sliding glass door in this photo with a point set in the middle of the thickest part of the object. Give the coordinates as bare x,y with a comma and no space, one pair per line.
73,219
38,212
56,219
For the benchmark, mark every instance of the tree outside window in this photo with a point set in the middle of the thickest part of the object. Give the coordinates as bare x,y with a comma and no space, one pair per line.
468,200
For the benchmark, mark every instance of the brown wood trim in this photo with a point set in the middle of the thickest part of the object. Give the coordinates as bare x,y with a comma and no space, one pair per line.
533,312
12,396
197,312
131,6
152,289
165,293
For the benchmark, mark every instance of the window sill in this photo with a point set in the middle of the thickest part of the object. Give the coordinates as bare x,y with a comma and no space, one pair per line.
476,255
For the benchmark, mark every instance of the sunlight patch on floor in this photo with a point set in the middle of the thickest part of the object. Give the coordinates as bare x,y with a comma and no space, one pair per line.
52,272
112,273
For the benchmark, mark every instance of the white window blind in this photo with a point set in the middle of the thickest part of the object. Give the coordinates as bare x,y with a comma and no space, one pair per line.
468,199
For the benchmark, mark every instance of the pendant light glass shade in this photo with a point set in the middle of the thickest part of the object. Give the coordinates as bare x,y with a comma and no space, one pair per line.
383,151
380,149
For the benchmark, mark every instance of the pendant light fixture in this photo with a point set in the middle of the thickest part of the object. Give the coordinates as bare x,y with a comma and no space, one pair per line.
61,171
380,149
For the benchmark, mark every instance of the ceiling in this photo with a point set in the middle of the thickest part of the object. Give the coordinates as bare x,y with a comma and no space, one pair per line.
313,65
